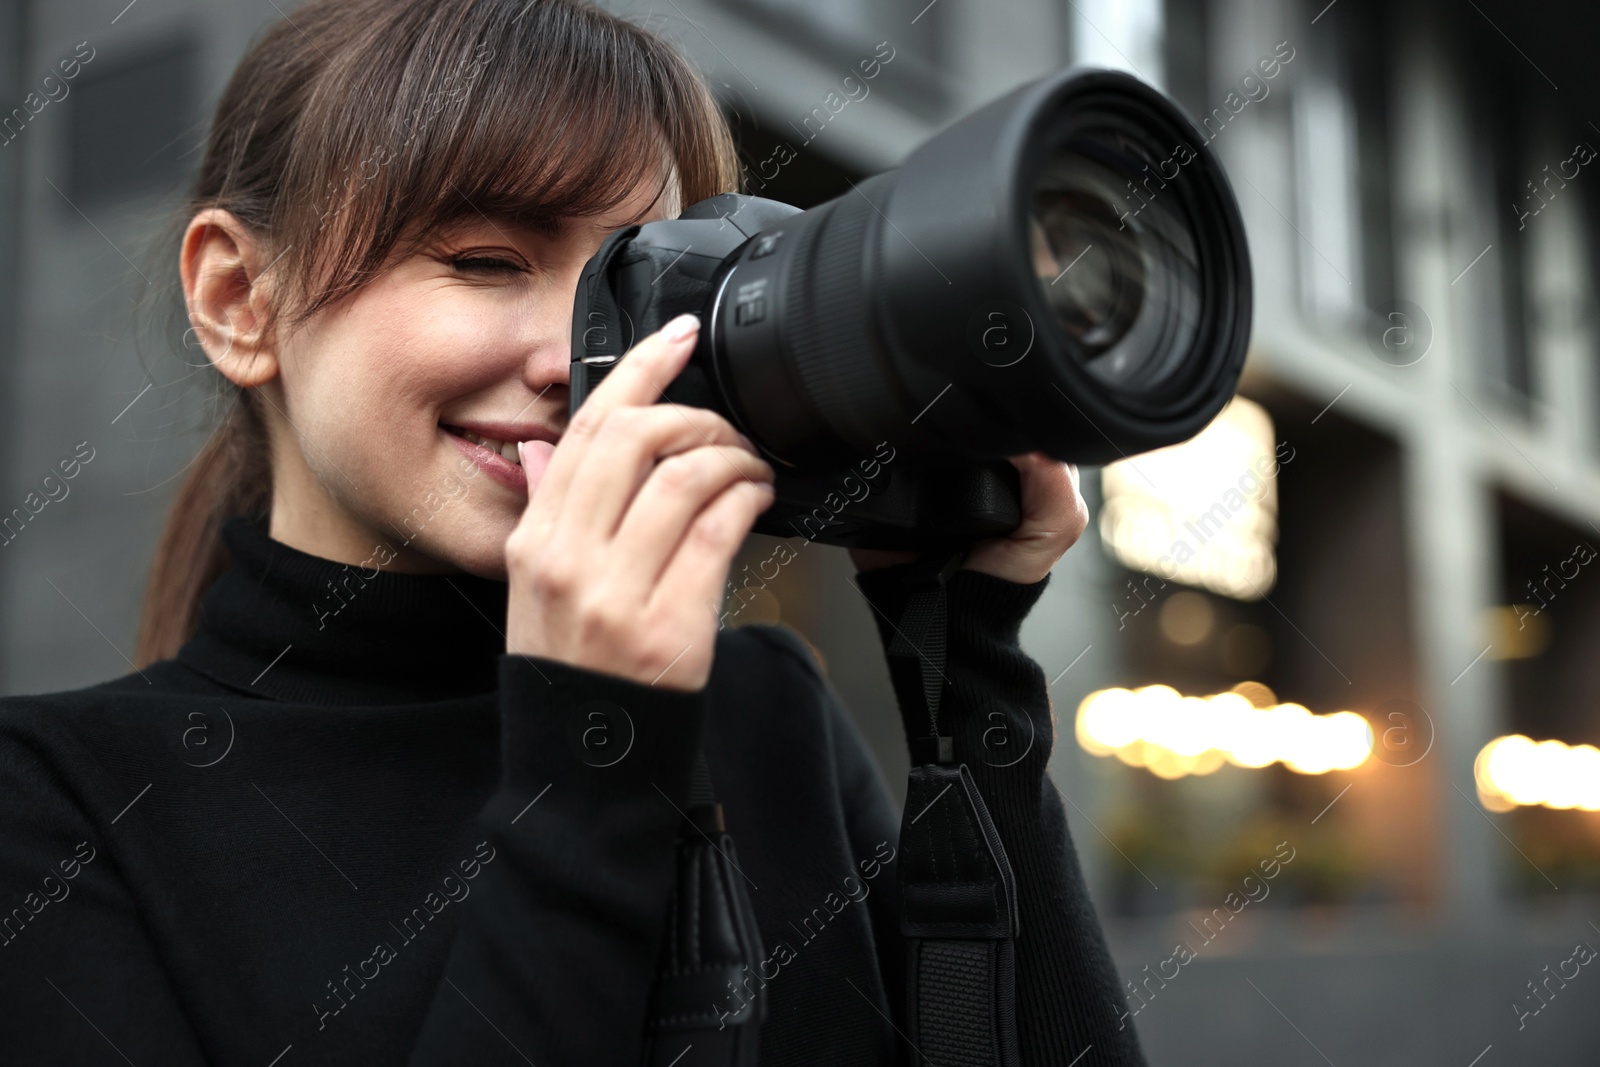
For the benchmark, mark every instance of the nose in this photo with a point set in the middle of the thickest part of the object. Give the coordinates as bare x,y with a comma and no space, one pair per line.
548,364
548,368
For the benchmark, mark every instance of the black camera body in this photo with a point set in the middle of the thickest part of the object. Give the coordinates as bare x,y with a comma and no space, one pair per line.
644,276
1033,278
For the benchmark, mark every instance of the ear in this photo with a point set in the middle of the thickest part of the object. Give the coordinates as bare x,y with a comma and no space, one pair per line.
220,264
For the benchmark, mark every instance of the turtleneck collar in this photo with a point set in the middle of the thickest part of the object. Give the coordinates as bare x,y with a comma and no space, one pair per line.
291,626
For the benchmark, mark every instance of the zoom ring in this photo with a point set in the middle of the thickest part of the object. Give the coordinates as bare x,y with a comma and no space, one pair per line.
833,353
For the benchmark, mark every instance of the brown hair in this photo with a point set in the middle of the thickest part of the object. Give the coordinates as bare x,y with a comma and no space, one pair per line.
355,130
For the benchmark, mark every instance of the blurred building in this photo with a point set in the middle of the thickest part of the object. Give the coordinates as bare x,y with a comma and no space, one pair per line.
1397,521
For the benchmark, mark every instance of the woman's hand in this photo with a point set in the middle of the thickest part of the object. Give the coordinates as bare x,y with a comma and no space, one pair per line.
629,534
1054,516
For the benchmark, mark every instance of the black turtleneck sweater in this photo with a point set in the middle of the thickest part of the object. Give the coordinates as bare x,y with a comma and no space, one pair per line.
343,826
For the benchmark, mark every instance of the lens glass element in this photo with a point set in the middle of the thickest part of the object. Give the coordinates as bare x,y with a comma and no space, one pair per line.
1115,258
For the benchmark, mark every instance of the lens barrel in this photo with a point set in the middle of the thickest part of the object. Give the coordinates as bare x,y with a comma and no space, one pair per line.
1063,270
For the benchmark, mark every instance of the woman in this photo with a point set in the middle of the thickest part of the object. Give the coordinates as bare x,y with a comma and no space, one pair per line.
350,808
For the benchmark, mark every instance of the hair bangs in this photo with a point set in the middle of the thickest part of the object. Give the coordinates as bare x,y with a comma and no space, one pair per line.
534,111
576,142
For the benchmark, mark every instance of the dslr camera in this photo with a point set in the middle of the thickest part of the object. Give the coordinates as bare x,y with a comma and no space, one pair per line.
1064,270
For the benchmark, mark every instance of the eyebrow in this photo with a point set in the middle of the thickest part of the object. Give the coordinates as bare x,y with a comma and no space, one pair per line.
500,221
543,225
538,224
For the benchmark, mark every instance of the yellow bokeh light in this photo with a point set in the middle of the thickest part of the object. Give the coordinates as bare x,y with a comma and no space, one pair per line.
1517,771
1172,735
1516,631
1203,512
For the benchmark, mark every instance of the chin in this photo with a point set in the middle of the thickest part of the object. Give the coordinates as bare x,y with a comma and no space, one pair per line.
478,545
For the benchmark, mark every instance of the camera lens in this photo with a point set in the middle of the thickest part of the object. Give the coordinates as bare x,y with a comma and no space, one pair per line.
1094,306
1064,271
1119,274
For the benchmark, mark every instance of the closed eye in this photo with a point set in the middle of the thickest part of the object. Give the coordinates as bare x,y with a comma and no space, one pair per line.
484,265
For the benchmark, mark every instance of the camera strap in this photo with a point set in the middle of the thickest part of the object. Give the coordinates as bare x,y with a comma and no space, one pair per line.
706,1006
958,913
958,899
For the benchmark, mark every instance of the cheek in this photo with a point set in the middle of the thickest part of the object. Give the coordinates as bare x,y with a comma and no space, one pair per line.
422,349
460,343
349,389
371,381
366,386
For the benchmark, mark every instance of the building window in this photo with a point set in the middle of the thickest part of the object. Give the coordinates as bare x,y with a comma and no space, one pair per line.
1500,177
1496,281
1342,167
1328,197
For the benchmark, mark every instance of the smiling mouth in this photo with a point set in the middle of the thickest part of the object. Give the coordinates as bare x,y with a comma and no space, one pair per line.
506,449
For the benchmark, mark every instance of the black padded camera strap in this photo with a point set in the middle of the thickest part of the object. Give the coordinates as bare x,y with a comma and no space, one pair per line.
957,894
705,1011
958,897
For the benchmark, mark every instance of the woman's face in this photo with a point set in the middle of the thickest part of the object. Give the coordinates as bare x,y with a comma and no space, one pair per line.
382,401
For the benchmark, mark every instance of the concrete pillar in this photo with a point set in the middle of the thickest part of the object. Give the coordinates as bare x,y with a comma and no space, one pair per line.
1449,513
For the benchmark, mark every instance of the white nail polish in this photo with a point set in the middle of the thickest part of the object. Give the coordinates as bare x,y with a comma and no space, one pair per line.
681,328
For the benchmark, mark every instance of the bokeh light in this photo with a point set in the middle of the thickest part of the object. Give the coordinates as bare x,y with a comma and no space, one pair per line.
1516,771
1204,512
1172,735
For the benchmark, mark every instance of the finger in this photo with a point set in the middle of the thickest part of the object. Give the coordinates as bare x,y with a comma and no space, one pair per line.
621,459
677,491
639,378
1051,504
698,570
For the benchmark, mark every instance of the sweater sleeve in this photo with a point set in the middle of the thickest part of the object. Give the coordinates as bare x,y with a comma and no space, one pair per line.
553,961
996,705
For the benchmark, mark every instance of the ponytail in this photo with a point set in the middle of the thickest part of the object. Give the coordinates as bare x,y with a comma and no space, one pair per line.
232,475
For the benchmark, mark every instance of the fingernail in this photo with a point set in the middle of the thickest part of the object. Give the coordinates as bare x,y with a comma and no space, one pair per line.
520,458
681,328
751,445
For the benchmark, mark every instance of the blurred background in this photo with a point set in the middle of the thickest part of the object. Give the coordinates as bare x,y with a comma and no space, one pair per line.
1326,679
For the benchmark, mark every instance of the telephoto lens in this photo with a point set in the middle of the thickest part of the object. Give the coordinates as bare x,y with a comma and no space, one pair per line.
1064,270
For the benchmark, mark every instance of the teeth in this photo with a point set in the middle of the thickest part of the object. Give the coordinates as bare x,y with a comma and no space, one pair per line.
507,449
